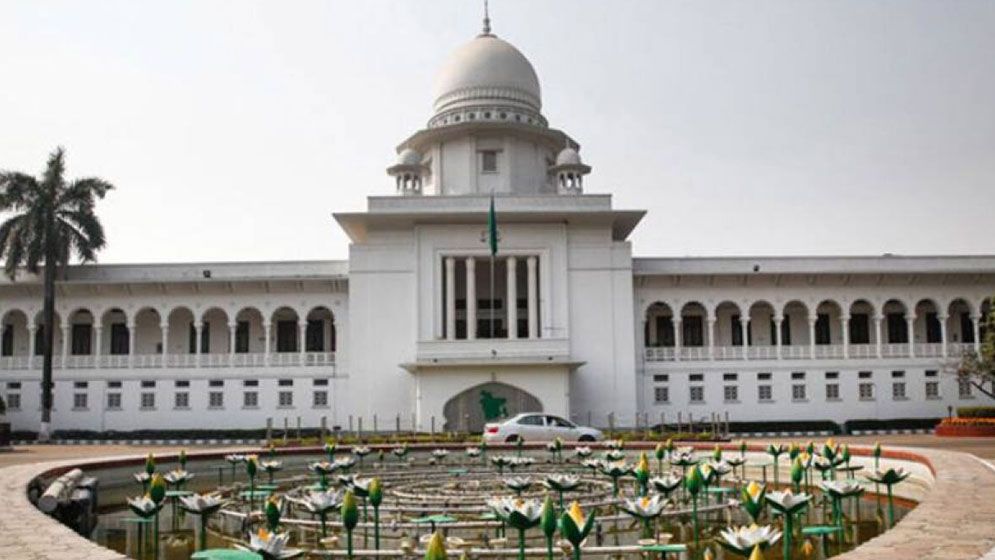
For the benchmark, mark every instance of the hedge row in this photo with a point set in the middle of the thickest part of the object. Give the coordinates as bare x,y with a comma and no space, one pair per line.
976,412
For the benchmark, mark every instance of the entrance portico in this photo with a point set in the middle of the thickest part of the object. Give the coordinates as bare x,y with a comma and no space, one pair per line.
439,385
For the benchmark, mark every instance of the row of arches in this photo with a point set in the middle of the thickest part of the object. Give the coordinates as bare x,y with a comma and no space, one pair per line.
177,331
862,321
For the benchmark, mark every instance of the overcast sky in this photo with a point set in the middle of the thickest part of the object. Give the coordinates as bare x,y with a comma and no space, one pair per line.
233,129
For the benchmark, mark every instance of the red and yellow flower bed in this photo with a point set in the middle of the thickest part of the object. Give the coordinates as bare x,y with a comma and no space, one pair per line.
966,427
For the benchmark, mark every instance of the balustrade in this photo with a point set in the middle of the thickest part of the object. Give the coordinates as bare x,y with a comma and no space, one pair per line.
177,361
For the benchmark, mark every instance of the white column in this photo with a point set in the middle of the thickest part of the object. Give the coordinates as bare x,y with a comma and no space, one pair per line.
96,343
266,346
471,299
164,328
32,329
877,334
976,324
450,298
67,342
911,322
845,335
197,328
232,331
131,345
943,334
678,339
811,336
744,329
711,337
778,320
301,342
512,304
531,286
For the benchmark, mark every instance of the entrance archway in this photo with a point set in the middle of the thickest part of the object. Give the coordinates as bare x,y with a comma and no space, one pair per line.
488,402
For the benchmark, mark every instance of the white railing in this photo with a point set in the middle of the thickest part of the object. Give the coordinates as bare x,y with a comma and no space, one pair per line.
660,354
762,352
728,352
150,361
796,352
862,351
829,351
928,350
956,349
895,350
691,353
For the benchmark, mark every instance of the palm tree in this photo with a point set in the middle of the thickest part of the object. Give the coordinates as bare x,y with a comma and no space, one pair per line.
52,221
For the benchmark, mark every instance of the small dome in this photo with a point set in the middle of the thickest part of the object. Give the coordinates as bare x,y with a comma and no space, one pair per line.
487,70
568,156
409,156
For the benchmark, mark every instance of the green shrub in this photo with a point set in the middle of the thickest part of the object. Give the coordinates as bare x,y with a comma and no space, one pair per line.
976,411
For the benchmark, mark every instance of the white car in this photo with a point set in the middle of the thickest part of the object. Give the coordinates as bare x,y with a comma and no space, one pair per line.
533,426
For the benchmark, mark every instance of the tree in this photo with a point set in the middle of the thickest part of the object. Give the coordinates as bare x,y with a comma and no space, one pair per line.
52,221
978,368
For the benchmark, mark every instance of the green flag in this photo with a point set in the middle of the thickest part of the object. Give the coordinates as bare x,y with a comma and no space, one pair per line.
492,233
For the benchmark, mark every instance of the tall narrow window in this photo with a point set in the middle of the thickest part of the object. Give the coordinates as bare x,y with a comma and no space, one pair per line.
315,335
860,332
286,336
8,340
82,340
40,340
664,332
898,329
822,332
242,337
932,328
966,328
737,330
692,333
119,339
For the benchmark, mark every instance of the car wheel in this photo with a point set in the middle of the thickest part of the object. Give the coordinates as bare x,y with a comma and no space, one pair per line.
586,437
512,438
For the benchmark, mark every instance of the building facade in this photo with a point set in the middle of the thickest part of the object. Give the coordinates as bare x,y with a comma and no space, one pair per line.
424,327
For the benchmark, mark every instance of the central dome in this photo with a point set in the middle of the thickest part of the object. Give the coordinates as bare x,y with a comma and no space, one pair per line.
489,72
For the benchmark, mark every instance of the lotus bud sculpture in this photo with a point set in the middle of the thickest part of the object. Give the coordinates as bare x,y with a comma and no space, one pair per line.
350,518
642,473
251,468
157,492
574,527
436,549
547,523
693,483
752,500
375,490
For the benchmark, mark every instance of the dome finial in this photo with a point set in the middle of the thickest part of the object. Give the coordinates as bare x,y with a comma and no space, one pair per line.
487,19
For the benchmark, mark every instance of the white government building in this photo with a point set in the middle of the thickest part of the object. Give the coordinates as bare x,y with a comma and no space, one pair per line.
406,331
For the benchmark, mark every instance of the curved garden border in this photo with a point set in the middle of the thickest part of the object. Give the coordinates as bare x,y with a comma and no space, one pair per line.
953,522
